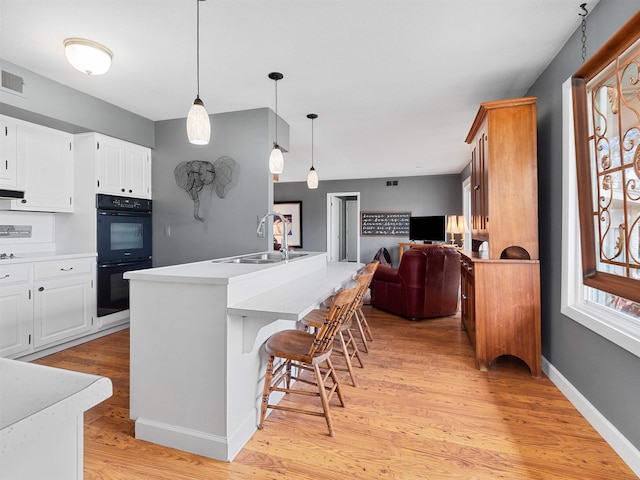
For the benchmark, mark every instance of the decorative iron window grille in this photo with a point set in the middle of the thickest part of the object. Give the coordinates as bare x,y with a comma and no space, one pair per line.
606,96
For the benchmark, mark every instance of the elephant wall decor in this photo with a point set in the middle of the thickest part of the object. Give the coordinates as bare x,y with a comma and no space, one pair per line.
193,175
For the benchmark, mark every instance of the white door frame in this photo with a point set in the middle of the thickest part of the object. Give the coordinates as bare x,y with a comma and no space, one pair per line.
330,196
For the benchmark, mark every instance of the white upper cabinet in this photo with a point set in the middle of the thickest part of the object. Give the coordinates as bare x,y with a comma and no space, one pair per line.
122,168
43,166
8,159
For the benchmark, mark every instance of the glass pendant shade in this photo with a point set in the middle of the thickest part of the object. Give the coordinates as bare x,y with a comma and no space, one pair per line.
87,56
198,124
312,178
276,160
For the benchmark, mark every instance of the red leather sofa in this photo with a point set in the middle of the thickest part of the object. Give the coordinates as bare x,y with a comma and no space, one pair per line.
426,284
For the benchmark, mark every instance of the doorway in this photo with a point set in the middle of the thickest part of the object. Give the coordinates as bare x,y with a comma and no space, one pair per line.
343,238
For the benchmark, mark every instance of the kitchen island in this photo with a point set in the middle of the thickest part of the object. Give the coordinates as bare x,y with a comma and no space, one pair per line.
197,330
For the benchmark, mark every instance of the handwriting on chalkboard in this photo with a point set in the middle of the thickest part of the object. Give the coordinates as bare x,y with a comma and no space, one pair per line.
385,223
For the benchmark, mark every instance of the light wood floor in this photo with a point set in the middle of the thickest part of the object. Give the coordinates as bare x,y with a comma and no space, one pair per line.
421,411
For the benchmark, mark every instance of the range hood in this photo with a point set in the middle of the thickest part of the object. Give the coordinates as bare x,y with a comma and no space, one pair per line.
12,194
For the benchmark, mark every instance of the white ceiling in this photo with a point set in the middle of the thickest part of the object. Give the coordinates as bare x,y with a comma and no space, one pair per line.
396,84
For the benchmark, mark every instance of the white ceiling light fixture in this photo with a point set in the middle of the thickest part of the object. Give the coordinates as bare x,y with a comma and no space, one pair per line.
312,177
198,122
87,56
276,159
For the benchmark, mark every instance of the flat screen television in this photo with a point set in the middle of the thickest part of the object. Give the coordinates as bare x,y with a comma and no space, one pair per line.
427,229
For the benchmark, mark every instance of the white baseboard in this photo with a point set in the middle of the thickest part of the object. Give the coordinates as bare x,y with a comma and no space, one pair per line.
623,447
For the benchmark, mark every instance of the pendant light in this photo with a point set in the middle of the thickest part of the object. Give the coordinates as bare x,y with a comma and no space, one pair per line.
198,123
276,160
312,177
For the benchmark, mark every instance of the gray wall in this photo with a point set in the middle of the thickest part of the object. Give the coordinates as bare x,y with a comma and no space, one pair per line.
605,374
55,105
425,195
230,223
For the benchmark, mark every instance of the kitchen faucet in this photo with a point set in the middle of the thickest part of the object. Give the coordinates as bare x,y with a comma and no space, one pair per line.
284,247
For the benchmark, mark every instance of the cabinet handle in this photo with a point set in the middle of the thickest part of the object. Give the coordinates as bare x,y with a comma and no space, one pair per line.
476,187
5,276
41,289
66,269
464,297
24,200
130,191
122,190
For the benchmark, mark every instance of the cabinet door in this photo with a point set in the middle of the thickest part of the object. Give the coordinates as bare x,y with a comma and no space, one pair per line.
467,303
47,157
16,320
8,168
111,165
480,188
138,171
62,309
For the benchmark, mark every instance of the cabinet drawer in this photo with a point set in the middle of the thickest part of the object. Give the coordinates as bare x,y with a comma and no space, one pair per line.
10,274
62,268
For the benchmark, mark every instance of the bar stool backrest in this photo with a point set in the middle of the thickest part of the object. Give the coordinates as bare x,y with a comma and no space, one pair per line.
343,305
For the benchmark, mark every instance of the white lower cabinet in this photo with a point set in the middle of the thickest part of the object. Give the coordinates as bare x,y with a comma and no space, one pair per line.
16,307
45,303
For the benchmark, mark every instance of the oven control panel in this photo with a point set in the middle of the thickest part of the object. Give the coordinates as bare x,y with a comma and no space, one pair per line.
115,202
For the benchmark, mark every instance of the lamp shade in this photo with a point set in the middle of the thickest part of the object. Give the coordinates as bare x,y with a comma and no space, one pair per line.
312,178
87,56
452,224
276,160
463,226
198,124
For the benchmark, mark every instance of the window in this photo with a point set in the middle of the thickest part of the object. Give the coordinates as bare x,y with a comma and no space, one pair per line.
606,107
604,313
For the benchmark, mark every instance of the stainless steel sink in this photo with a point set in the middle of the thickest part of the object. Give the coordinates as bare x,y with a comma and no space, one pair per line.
262,258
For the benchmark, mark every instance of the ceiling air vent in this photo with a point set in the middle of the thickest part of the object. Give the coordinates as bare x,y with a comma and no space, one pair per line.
392,183
12,83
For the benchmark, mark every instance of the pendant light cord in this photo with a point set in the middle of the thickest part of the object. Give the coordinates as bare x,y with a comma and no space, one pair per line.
198,47
276,112
312,143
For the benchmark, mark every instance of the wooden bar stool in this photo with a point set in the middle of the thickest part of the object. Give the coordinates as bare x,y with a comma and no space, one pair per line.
364,331
348,347
302,351
361,320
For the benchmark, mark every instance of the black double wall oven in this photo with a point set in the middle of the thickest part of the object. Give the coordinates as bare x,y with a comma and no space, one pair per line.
124,244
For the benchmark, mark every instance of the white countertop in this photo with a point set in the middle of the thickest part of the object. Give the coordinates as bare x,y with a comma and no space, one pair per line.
43,256
293,300
34,396
212,271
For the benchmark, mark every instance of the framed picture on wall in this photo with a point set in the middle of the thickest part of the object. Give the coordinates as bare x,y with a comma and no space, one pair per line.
292,212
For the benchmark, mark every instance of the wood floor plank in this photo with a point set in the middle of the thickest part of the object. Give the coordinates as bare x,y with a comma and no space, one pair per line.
421,411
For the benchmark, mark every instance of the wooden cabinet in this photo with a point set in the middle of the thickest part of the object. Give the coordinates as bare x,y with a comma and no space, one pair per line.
122,168
16,305
64,300
44,167
504,201
500,307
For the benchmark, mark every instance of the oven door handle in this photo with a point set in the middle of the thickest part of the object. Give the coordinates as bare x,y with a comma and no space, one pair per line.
113,213
121,264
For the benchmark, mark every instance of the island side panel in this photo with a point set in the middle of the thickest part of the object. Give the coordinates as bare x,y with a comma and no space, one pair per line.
245,379
178,364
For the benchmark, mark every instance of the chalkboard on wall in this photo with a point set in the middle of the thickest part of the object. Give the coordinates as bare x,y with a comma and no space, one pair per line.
385,224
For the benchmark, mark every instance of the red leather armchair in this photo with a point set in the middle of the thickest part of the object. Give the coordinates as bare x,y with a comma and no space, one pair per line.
426,284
